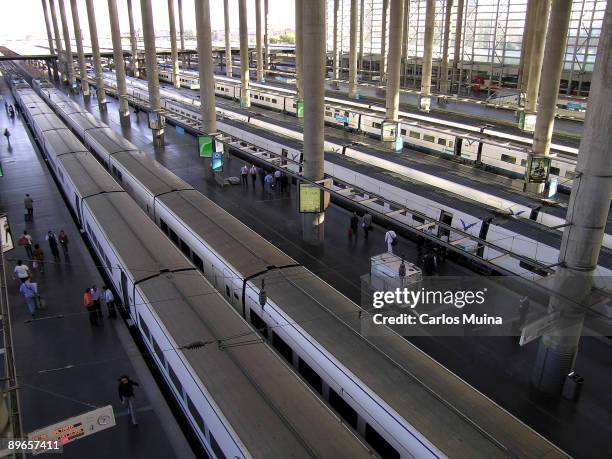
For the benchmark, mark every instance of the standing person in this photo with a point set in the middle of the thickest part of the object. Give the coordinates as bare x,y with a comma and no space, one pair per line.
7,134
28,203
284,182
366,224
63,240
354,224
244,175
95,296
277,178
29,291
26,242
262,177
269,179
126,395
52,240
21,271
391,240
109,299
38,258
253,172
429,263
89,305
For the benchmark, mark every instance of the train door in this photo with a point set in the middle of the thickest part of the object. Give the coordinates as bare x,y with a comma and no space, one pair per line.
284,153
484,229
125,297
458,145
446,218
77,203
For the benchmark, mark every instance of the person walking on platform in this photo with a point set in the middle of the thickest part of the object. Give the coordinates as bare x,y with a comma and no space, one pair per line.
253,173
268,182
52,240
21,271
244,175
429,263
284,183
391,240
29,291
7,134
89,305
109,299
262,177
353,226
277,179
26,242
126,395
28,204
63,240
95,296
38,258
366,224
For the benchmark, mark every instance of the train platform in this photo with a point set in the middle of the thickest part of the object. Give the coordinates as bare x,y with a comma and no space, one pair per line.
66,367
498,367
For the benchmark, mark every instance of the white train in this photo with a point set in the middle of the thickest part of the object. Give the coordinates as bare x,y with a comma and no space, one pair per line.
240,398
397,406
498,151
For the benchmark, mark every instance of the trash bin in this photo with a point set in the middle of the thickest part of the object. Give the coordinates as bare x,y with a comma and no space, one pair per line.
573,386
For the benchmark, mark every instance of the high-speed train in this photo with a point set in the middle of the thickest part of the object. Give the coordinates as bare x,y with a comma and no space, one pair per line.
241,399
402,402
188,108
501,152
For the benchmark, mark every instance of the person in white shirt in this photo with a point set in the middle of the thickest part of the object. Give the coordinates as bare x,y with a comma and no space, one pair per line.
109,299
244,175
253,172
21,271
390,238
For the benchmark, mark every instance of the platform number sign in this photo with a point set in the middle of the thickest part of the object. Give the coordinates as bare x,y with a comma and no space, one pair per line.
205,146
299,108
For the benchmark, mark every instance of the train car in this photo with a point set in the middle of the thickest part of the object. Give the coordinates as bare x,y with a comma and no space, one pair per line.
240,398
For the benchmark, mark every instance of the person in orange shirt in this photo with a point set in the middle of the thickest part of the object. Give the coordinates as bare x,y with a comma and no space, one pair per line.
88,302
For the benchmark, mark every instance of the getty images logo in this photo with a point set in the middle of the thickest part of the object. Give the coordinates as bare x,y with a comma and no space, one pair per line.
413,298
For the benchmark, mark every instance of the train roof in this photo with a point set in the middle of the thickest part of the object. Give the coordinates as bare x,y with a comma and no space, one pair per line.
87,176
110,140
63,141
48,122
142,246
272,413
155,177
37,107
240,247
86,121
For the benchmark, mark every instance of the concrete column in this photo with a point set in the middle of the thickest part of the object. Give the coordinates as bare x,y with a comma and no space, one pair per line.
148,31
79,43
361,28
383,43
266,37
58,43
444,64
299,49
228,45
395,59
205,64
95,50
314,107
536,57
430,15
245,91
173,50
181,29
353,51
556,39
587,215
50,62
523,74
456,77
133,42
119,64
336,69
67,45
258,41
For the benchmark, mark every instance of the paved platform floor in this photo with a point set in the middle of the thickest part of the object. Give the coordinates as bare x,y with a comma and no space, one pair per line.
65,367
496,366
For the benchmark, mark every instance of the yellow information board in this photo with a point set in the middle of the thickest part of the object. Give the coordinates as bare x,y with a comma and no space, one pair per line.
310,198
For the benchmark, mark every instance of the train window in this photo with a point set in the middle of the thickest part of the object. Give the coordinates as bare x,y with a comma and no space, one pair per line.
215,447
554,170
380,445
267,99
173,236
344,409
158,351
328,113
403,131
293,105
508,159
310,375
255,96
282,347
523,163
429,138
376,125
175,380
450,144
164,225
259,324
144,328
441,141
273,101
185,248
415,135
198,262
195,414
418,219
570,174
